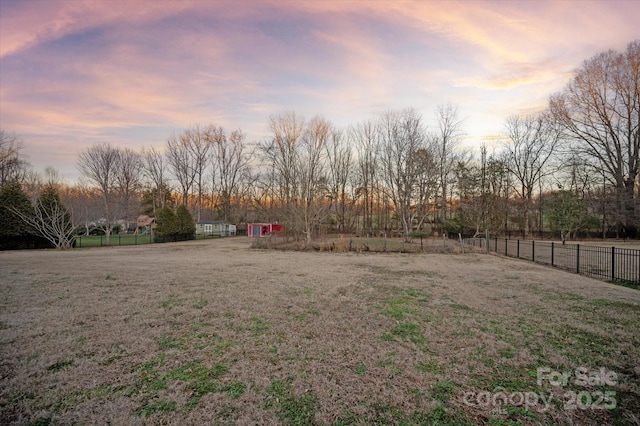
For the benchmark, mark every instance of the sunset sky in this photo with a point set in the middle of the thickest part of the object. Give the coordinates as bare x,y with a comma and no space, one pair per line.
74,73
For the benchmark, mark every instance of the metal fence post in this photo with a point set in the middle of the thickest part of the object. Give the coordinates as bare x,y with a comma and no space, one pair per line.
613,263
577,258
518,249
551,253
486,240
533,251
505,247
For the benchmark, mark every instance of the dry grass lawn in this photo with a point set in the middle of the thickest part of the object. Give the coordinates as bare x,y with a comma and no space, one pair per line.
213,332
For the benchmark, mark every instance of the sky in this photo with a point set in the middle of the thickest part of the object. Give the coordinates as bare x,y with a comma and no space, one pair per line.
74,73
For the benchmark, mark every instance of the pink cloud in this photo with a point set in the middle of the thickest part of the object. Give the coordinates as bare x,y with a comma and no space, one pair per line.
102,70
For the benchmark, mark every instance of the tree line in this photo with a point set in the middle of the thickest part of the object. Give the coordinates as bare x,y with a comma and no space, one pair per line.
572,167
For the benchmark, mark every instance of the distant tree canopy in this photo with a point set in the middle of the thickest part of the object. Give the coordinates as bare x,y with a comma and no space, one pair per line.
397,173
600,113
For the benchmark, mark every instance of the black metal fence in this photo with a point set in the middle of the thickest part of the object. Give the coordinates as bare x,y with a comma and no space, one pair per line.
84,241
609,263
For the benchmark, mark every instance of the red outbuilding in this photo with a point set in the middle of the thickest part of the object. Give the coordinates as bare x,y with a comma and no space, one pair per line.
263,229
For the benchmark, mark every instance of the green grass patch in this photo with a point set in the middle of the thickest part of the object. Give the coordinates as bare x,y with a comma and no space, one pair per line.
408,331
259,325
432,367
172,301
235,389
220,345
627,283
60,365
290,408
510,379
404,303
443,391
360,369
157,407
615,304
406,309
507,353
200,303
169,342
199,380
381,413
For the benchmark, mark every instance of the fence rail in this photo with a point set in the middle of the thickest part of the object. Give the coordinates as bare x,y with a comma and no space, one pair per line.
609,263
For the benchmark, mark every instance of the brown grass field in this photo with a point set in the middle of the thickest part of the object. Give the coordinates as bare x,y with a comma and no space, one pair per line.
214,332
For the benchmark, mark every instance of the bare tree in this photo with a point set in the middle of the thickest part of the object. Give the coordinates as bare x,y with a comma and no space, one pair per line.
179,158
100,164
199,145
447,137
287,130
339,160
50,219
154,169
310,169
404,164
532,141
366,138
84,203
128,178
482,191
281,156
13,165
295,162
231,161
600,111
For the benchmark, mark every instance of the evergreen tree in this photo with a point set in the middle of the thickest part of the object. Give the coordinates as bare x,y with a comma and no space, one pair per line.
12,197
16,216
172,226
167,225
186,225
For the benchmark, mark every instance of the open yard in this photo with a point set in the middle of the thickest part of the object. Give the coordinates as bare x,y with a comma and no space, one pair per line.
213,332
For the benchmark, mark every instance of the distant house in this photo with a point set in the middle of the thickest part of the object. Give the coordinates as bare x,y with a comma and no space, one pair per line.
215,227
263,229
